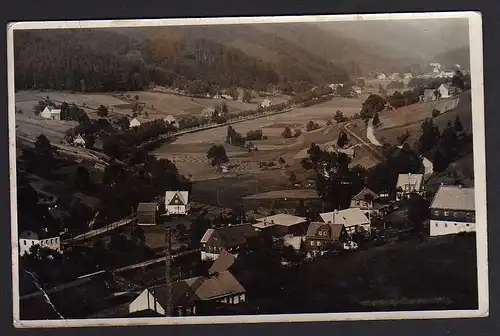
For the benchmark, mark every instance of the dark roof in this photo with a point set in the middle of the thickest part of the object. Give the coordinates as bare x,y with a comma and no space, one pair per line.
145,313
454,198
147,207
222,263
186,292
361,196
235,235
312,230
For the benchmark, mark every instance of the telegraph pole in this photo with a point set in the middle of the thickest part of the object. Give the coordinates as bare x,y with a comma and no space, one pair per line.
168,269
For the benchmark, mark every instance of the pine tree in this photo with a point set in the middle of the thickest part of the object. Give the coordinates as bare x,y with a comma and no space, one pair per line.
376,120
458,125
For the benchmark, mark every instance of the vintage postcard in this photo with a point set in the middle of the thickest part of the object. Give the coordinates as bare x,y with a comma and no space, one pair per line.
246,170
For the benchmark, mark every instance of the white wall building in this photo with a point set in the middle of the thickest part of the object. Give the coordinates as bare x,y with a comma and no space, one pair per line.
28,238
353,219
51,113
134,123
177,202
266,103
452,211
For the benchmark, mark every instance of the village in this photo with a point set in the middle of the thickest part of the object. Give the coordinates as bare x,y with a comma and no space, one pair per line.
208,207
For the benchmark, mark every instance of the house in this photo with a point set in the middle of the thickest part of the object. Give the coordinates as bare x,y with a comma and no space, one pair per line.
147,213
208,112
229,238
381,76
444,91
171,120
353,219
51,113
357,89
188,294
281,225
266,103
227,97
429,95
350,152
177,202
407,184
452,211
79,141
134,123
44,238
321,237
100,167
365,200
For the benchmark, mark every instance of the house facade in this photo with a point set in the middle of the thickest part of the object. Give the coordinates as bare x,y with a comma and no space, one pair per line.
222,288
28,238
230,238
444,91
51,113
79,141
408,184
365,200
452,211
177,202
322,237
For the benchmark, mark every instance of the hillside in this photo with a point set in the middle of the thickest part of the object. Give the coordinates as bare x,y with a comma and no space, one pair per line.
459,56
291,60
394,123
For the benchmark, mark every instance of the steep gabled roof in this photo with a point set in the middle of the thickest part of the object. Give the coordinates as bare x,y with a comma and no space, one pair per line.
234,235
361,196
176,197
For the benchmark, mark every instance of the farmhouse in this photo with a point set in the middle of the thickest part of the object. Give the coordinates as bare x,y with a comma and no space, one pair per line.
321,237
230,238
452,211
357,90
134,123
350,152
429,95
353,219
147,213
281,224
51,113
208,112
222,288
44,238
394,76
381,76
407,184
177,202
364,200
171,120
444,91
79,141
266,103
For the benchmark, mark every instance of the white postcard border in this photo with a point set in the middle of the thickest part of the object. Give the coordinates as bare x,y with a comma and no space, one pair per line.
477,89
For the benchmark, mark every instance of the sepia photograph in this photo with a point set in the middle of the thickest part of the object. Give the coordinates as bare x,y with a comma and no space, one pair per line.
247,170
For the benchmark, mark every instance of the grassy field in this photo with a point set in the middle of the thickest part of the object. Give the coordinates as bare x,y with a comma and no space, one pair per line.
412,117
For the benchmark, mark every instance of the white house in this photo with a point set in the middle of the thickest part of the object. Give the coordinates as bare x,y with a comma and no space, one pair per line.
408,75
353,219
381,76
51,113
444,91
358,90
28,238
79,141
227,97
452,211
266,103
170,119
177,202
134,123
208,112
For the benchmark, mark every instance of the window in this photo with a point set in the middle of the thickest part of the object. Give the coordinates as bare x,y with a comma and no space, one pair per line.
435,212
318,243
312,243
32,243
446,213
445,225
25,242
468,224
436,224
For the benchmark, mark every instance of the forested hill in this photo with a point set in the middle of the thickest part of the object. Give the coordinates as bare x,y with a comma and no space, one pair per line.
103,60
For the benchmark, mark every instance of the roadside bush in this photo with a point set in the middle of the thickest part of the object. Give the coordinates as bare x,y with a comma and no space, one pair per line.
435,113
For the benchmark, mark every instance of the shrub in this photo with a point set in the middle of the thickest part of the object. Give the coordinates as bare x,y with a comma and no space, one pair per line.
435,113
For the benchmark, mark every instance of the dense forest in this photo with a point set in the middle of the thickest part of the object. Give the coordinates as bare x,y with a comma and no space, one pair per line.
91,60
